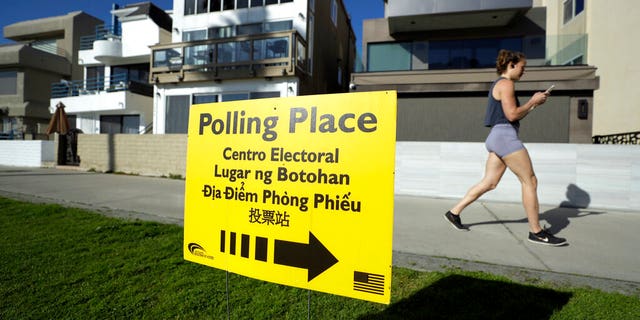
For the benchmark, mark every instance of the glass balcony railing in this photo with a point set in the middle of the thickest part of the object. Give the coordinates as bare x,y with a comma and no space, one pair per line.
118,82
269,54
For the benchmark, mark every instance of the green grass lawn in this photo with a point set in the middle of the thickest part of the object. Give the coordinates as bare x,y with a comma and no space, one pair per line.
62,263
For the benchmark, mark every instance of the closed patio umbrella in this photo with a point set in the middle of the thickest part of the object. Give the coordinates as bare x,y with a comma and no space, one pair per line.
59,122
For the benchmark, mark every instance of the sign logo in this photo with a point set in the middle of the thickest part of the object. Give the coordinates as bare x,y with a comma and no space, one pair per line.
297,191
198,250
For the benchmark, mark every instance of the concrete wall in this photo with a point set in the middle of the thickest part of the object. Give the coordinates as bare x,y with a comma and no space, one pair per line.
34,153
153,155
579,175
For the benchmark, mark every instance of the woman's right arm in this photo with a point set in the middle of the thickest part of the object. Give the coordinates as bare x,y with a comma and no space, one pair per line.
505,92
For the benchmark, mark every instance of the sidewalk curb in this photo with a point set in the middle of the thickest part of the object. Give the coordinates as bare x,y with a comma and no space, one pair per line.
521,275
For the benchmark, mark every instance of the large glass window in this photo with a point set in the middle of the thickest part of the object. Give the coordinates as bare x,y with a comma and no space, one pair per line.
389,56
474,53
8,83
447,54
120,124
257,3
177,114
134,72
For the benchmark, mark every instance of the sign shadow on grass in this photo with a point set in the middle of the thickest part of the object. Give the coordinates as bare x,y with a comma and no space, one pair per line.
558,219
462,297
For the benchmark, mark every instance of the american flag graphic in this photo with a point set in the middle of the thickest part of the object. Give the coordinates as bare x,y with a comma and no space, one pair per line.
368,282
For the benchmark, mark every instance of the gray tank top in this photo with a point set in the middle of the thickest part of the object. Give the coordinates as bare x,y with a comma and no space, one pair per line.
495,114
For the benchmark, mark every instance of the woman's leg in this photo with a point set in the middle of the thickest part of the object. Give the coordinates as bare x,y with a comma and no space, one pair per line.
520,163
492,174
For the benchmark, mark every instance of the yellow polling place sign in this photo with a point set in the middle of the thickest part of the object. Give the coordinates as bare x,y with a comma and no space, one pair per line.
298,191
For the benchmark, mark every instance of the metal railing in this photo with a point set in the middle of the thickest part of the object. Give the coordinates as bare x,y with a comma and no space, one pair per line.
102,32
268,55
619,138
118,82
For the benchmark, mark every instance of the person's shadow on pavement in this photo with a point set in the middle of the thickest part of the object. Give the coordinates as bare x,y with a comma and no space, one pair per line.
558,218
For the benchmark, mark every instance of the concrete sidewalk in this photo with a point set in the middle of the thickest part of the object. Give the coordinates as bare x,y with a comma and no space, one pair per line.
602,250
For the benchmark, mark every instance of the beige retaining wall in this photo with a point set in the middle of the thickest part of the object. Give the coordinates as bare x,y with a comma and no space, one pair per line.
149,155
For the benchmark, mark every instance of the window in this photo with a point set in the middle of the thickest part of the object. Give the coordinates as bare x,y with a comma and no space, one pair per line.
229,5
389,56
268,2
278,26
48,45
189,7
120,124
194,35
95,78
446,54
334,12
177,114
8,83
471,53
204,98
201,6
242,4
267,94
572,8
234,96
221,32
134,72
257,3
254,28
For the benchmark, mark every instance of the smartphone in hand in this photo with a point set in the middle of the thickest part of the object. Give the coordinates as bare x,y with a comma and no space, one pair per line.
550,89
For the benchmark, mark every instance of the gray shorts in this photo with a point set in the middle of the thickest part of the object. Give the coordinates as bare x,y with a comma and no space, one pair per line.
503,140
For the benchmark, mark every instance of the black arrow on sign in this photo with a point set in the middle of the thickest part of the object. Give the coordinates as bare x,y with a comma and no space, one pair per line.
314,256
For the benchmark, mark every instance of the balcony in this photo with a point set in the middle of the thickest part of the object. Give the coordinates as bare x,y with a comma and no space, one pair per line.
102,94
267,55
119,82
102,32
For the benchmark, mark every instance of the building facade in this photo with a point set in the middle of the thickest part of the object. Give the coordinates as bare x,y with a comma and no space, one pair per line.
604,28
114,95
46,51
226,50
444,63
